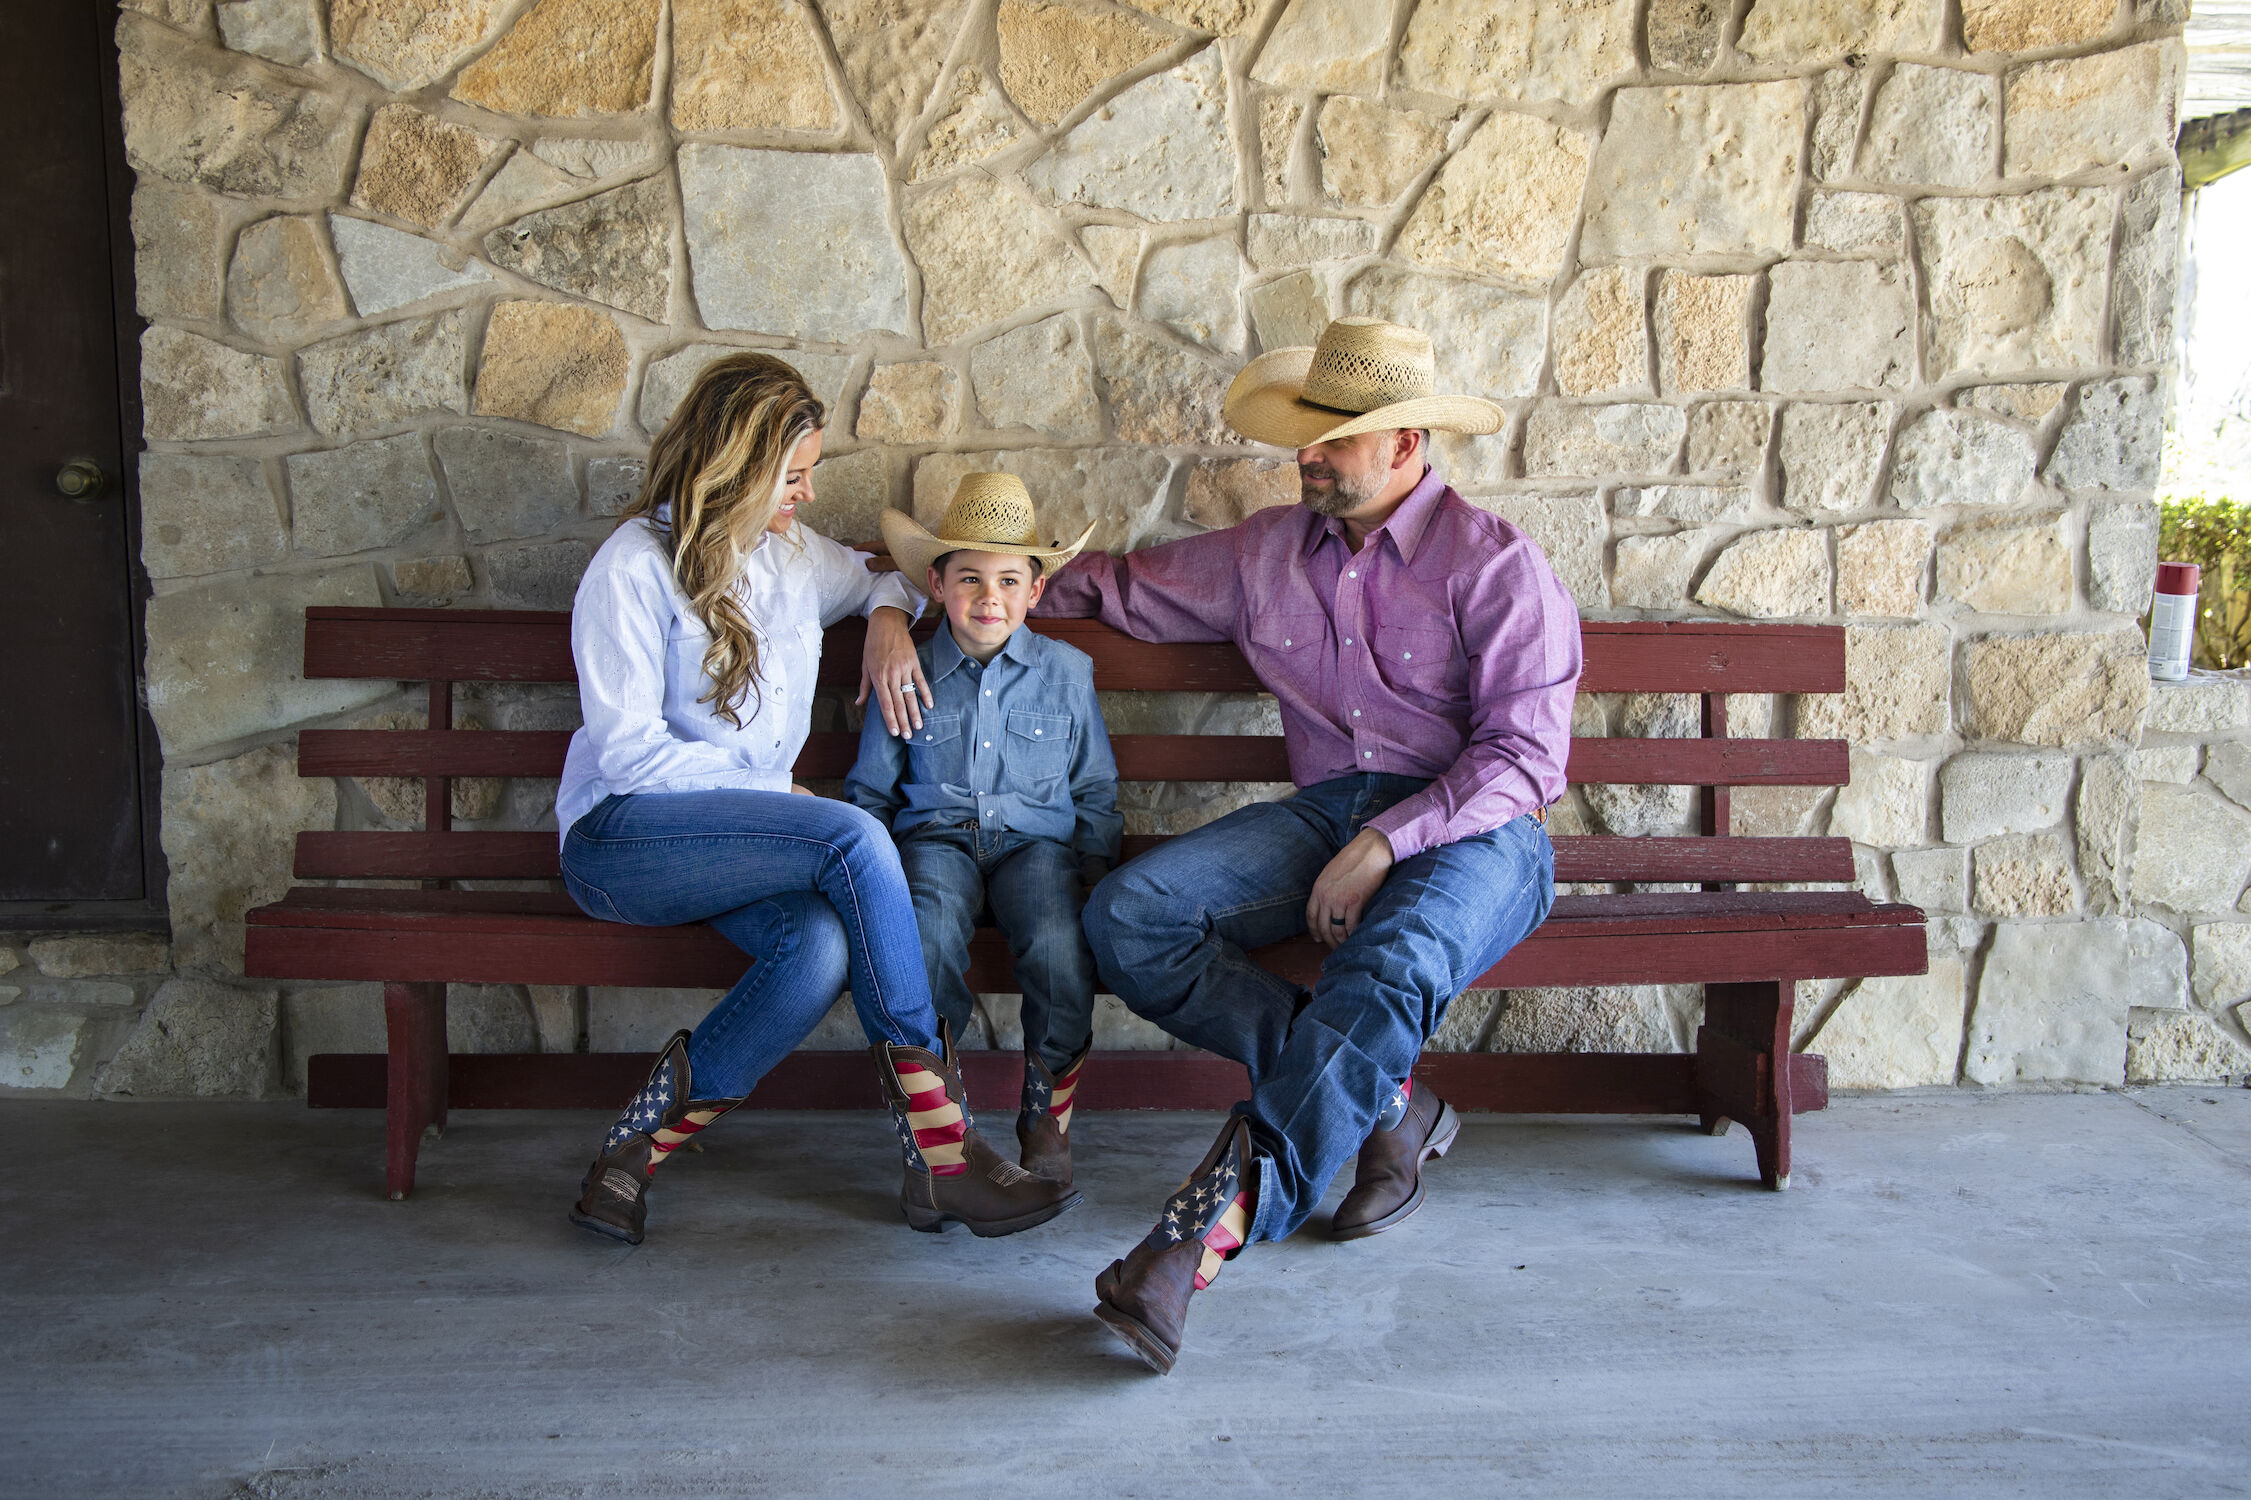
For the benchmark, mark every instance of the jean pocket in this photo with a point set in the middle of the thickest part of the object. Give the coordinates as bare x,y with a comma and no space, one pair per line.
591,899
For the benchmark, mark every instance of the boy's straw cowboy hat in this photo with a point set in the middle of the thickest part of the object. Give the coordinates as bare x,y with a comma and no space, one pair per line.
1363,376
989,513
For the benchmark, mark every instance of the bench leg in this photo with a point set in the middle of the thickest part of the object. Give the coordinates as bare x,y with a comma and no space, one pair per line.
1743,1069
414,1017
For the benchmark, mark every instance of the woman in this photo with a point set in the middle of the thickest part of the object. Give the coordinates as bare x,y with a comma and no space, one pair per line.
697,632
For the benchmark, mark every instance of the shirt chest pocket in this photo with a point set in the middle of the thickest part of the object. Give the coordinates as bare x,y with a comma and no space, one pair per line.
934,754
1421,660
1288,635
1037,747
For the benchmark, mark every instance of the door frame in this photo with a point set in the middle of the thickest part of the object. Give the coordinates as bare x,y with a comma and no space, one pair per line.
149,912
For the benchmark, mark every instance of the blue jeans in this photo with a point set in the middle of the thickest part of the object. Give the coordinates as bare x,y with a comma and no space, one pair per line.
1032,886
809,888
1169,932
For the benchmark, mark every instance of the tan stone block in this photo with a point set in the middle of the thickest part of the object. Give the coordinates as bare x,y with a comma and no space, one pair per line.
748,65
1566,49
976,124
1570,529
1855,223
1370,154
1937,880
1278,115
282,31
279,286
1116,253
2059,688
568,58
1696,170
892,51
91,955
1897,681
1703,332
2103,110
1960,458
382,374
1504,206
1163,150
850,495
1225,491
2208,703
2104,816
416,167
230,831
2025,403
1594,441
1798,31
1279,242
1774,811
1488,342
206,514
1052,56
1225,17
1781,571
2027,25
1160,392
1932,126
1831,455
199,1039
554,364
2192,850
1039,376
1886,802
1699,504
1291,312
2024,875
1897,1033
1120,491
1190,286
213,119
1601,336
909,403
1880,567
1728,437
432,579
1837,326
193,387
2170,1047
1684,35
1610,1018
962,230
1653,572
409,44
1330,46
1837,99
615,247
2014,283
2007,567
177,272
403,800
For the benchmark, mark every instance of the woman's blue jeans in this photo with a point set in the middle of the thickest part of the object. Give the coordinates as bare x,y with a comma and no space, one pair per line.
809,888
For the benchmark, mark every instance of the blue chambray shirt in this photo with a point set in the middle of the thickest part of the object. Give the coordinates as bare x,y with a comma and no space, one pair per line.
1016,744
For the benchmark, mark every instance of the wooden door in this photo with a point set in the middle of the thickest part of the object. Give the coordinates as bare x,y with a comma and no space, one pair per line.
77,820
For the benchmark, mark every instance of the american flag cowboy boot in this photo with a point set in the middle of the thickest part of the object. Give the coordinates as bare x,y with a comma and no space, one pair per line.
613,1200
952,1175
1043,1123
1387,1186
1144,1298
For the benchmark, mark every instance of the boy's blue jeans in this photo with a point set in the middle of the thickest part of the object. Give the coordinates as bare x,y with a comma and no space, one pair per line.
1032,887
1169,932
809,888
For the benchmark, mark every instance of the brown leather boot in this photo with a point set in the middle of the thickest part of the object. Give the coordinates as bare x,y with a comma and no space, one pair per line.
1388,1186
613,1198
1143,1299
952,1176
1043,1124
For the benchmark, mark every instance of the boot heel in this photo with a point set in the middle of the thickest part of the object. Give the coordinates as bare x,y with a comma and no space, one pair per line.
1448,1127
926,1220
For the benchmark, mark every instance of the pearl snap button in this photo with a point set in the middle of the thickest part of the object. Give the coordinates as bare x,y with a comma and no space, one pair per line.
988,744
1348,640
1367,755
1285,642
1356,713
1406,656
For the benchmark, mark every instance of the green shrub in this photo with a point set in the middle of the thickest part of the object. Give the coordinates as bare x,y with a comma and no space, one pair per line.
2217,535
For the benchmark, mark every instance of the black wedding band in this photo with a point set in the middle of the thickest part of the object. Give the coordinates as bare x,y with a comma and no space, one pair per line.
1336,921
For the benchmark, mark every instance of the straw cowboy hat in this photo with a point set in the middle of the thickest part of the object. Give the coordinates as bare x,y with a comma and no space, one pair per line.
989,513
1363,376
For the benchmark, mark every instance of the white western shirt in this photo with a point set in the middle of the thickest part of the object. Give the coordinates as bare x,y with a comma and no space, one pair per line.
640,646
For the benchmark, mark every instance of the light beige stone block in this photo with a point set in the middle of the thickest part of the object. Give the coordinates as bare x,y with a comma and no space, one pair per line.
361,496
1880,567
2102,110
177,270
2053,997
1653,572
524,181
566,58
536,575
2027,25
2147,285
1039,376
279,286
1937,880
892,51
2168,1047
1855,223
1159,391
1774,811
829,269
1489,342
1699,504
1839,96
552,364
1570,529
1120,491
1960,458
1703,332
1838,325
39,1049
2229,766
1610,1018
385,374
976,124
2029,403
1504,206
1568,50
1290,312
230,829
2113,438
1116,254
1225,17
913,402
1886,802
1728,437
1329,46
748,65
1625,437
256,624
1684,35
1800,31
2104,817
1897,683
1225,491
2059,688
206,514
1986,796
1278,115
2221,972
196,116
1777,573
1897,1033
1163,150
2024,875
97,955
2006,567
200,1039
506,485
2014,283
1831,455
386,268
850,495
416,167
2207,703
1601,336
2174,763
409,44
1370,154
614,247
1190,287
1696,170
2192,851
193,387
1933,127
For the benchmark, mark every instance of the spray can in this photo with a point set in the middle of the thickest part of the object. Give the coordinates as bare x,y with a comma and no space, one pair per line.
2172,621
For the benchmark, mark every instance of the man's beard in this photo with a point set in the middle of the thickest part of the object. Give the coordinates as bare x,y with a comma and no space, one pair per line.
1343,496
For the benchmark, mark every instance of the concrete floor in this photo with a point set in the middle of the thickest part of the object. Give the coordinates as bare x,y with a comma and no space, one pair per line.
2012,1295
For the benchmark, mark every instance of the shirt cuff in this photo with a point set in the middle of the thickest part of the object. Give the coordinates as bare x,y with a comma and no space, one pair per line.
1410,826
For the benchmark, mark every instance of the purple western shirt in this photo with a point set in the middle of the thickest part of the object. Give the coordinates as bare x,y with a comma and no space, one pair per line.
1444,648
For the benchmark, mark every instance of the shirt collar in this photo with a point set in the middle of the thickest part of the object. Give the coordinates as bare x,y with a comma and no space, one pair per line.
946,653
1405,525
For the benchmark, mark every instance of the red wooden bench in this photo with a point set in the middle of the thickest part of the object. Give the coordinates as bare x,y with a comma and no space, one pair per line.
1745,947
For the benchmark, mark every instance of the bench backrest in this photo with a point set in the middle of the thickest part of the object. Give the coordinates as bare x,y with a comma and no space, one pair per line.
441,647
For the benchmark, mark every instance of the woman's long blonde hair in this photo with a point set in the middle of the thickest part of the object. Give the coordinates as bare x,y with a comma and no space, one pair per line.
720,464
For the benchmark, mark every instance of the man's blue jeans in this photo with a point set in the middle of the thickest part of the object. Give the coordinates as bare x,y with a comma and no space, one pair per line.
1032,885
810,888
1169,932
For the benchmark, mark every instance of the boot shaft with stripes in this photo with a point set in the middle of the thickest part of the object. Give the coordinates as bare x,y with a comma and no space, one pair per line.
952,1175
1043,1122
663,1116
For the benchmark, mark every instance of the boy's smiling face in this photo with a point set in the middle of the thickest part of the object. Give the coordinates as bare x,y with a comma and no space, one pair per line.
986,596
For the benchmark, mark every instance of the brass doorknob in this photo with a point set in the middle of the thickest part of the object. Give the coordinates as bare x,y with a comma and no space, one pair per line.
80,479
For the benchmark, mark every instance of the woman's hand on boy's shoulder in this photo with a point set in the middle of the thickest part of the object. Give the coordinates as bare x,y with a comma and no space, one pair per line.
891,670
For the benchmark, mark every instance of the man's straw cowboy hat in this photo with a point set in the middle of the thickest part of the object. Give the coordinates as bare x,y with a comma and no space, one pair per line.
989,513
1363,376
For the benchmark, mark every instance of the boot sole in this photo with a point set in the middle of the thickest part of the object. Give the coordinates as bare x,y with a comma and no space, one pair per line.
1153,1351
1447,1126
934,1220
604,1228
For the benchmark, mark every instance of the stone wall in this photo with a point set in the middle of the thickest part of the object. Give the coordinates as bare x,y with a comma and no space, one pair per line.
1849,310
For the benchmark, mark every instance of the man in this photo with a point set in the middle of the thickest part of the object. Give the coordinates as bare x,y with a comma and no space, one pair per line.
1425,658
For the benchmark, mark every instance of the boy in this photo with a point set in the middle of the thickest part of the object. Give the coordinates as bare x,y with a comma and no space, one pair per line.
1006,797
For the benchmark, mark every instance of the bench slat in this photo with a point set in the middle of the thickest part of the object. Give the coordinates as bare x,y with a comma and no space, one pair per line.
534,856
1689,656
